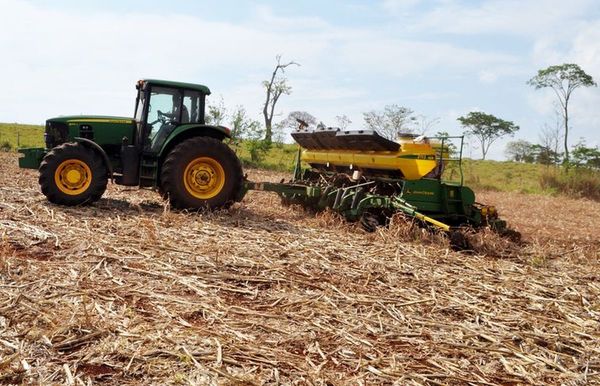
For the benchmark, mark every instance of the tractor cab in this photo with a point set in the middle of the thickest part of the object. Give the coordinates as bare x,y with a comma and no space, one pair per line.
167,145
162,106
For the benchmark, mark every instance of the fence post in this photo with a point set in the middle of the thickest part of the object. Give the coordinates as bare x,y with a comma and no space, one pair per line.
18,138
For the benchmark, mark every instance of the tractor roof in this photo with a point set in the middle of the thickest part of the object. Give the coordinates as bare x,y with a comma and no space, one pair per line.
167,83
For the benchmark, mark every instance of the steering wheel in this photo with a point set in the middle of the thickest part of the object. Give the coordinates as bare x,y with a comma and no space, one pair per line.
162,117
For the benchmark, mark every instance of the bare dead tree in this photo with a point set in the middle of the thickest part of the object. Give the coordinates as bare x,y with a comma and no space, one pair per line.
391,121
343,121
275,87
550,137
425,124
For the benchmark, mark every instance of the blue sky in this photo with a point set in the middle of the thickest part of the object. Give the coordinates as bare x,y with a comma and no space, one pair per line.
441,58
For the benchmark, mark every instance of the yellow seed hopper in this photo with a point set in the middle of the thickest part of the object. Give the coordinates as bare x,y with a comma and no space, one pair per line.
412,157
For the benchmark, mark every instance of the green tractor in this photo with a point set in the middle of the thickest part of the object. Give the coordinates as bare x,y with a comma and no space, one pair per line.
167,146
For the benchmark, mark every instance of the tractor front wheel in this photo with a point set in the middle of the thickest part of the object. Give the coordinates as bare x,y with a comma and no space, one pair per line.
72,174
201,172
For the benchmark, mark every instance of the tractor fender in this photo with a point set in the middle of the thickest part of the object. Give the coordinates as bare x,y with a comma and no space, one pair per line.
94,146
187,131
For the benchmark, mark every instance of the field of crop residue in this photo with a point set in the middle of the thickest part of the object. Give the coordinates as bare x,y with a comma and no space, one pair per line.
127,292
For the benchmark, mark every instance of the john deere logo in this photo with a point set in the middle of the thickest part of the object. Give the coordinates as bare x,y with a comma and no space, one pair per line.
421,192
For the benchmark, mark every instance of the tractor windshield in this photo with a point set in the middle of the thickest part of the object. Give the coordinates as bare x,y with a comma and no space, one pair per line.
165,113
165,105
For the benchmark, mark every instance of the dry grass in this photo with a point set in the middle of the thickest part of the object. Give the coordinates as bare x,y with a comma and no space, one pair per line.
127,292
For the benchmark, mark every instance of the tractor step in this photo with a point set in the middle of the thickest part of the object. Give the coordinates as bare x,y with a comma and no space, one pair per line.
148,171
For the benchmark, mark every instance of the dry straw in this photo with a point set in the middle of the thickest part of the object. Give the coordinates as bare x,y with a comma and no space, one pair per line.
128,292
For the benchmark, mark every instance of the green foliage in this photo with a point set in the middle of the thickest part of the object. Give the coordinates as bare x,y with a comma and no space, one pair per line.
545,155
586,157
391,121
447,142
486,128
19,135
255,144
280,157
567,76
520,151
524,151
258,148
216,113
241,125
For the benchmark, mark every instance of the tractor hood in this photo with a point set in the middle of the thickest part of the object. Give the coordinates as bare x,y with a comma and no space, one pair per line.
103,130
91,119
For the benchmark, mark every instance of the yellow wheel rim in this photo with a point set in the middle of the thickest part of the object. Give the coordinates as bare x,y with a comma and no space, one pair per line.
204,178
73,177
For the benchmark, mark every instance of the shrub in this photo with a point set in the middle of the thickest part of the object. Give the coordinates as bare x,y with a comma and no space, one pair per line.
575,183
257,149
5,146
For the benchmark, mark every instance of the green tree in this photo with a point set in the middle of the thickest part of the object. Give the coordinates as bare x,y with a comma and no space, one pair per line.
254,141
563,80
486,128
520,151
584,156
241,124
391,121
216,113
274,89
449,145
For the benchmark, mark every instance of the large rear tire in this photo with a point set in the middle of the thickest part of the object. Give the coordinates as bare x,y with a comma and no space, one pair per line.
201,172
72,174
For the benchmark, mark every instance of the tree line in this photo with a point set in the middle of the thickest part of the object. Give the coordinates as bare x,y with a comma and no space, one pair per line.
581,155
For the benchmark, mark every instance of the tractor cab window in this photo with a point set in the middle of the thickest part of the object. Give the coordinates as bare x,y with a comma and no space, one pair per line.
193,102
165,112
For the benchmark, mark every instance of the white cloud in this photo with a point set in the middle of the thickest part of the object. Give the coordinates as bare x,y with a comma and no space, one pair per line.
488,77
542,101
270,21
513,17
406,57
399,5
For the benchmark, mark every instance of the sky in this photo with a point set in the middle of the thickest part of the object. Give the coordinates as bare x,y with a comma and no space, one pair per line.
441,58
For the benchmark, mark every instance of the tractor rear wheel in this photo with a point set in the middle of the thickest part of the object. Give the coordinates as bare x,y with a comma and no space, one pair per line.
72,174
201,172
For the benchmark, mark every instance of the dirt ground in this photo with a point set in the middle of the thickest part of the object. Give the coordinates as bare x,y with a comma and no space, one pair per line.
128,292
